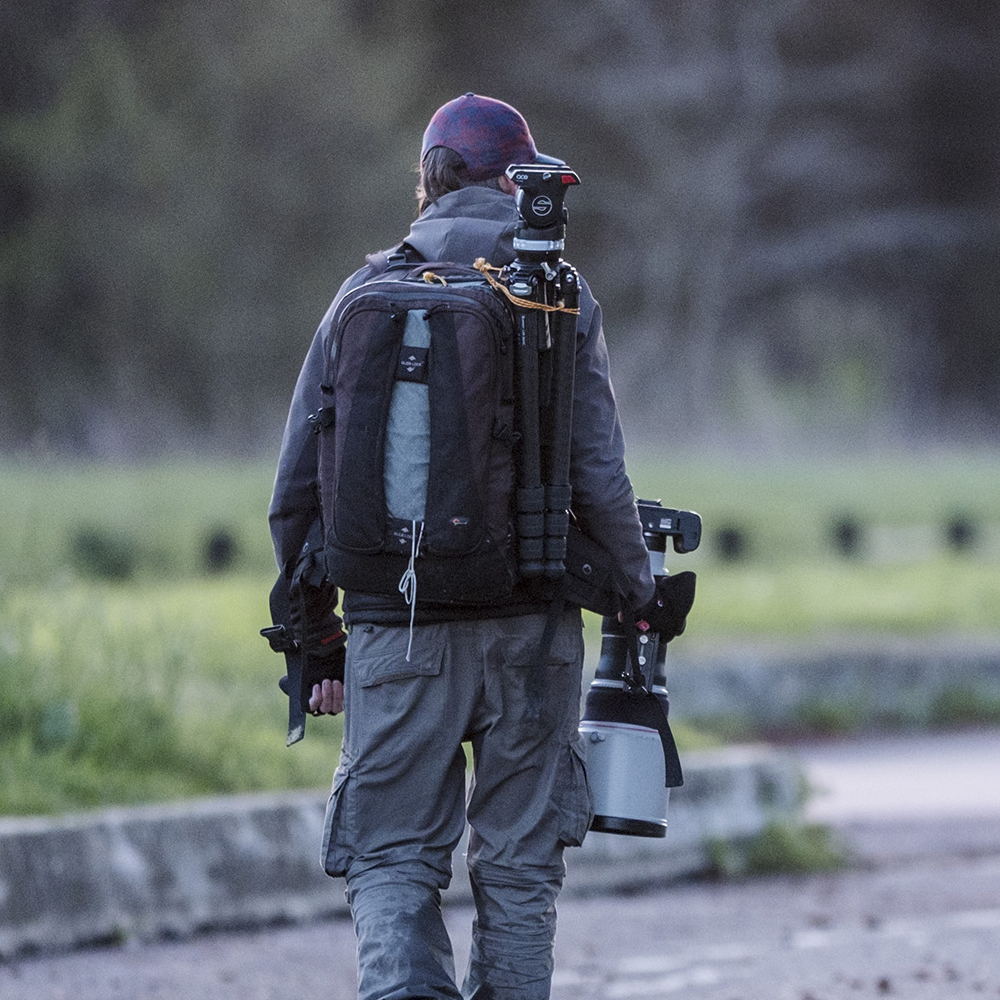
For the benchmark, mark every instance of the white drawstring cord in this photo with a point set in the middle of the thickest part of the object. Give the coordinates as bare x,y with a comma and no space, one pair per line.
408,581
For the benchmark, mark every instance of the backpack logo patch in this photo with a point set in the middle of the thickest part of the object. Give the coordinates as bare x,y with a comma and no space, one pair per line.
412,365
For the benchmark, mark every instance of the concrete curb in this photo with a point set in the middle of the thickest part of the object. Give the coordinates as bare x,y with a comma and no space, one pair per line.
900,683
173,870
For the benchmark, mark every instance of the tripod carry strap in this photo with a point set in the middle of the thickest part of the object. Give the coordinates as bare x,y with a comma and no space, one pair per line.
482,265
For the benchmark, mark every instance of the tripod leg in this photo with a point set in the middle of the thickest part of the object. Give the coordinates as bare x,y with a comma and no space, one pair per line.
530,493
558,491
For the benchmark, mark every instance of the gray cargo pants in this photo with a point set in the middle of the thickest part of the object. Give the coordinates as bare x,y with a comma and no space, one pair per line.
398,810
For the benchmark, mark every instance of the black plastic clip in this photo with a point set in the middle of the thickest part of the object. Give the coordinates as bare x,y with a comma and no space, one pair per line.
321,419
280,639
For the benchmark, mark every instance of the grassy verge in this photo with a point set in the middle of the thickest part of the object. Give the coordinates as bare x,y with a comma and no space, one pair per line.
112,694
131,669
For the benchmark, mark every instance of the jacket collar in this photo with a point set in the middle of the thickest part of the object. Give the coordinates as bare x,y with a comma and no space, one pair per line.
465,224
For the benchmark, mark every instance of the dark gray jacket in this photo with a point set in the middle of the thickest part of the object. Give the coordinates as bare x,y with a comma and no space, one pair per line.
461,226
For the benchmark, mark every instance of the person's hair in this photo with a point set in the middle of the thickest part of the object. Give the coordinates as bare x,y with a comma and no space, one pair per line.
441,171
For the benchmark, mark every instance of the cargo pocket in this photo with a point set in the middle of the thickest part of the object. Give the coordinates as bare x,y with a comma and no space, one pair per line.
338,837
383,656
576,804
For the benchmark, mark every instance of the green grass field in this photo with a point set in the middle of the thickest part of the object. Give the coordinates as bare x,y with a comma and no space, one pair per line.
111,693
905,576
132,672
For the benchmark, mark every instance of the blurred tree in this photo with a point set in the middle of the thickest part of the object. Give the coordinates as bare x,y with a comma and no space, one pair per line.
788,209
195,198
771,209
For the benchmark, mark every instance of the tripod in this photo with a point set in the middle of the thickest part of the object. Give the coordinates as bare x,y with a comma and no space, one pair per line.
545,293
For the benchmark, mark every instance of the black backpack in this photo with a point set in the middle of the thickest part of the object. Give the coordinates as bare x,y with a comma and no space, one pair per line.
416,435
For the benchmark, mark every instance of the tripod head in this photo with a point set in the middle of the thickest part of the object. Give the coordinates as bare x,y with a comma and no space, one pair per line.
541,234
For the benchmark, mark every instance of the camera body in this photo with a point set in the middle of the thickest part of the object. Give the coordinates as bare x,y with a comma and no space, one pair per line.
632,761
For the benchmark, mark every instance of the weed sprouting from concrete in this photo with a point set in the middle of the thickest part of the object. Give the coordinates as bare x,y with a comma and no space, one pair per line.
783,847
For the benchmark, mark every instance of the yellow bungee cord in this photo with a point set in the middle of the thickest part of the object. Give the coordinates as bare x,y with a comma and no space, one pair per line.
485,269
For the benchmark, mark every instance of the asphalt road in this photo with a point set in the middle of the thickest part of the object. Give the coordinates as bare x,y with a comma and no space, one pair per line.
916,915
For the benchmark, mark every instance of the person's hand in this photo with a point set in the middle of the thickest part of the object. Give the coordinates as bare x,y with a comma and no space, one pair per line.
327,698
322,688
320,636
323,676
666,614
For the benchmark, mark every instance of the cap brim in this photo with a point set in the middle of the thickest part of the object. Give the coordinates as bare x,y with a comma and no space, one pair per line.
549,161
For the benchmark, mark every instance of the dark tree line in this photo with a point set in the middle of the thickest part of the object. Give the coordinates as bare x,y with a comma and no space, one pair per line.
788,209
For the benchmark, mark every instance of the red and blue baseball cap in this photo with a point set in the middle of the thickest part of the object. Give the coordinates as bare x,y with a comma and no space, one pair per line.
488,134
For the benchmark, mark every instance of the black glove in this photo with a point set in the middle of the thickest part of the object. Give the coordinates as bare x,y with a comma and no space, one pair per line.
666,614
316,669
316,627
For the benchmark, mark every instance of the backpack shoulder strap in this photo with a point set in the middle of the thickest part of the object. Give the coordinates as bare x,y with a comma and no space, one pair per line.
400,255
